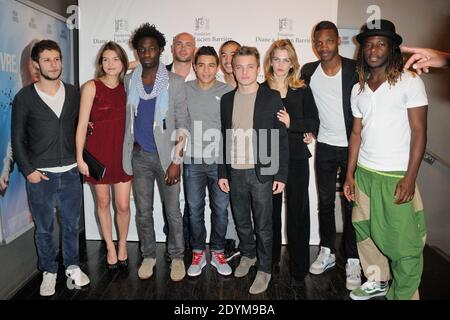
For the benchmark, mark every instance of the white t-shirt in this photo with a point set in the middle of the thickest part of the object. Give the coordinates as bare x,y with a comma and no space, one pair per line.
386,134
55,103
327,93
191,76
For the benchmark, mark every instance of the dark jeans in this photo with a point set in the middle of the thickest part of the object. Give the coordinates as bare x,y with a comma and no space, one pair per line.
198,177
63,190
248,195
146,169
328,160
185,219
277,203
297,217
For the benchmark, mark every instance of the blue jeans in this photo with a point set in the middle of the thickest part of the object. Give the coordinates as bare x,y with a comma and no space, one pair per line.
146,169
63,190
196,178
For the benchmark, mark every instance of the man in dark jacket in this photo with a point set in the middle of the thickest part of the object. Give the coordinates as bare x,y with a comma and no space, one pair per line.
44,121
331,80
254,164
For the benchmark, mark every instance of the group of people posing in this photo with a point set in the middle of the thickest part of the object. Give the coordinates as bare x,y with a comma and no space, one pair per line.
247,143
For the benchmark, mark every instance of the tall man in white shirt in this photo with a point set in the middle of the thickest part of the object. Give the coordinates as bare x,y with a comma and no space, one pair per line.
331,80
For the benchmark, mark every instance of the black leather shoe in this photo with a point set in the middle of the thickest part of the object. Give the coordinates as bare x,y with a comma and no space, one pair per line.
276,268
297,282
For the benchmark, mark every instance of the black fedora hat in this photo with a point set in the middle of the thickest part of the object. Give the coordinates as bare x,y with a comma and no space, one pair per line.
379,28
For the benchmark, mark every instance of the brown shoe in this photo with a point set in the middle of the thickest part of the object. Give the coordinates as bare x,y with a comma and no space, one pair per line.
261,282
178,271
146,269
244,266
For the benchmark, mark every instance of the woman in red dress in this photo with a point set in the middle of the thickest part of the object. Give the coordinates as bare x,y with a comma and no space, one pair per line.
103,101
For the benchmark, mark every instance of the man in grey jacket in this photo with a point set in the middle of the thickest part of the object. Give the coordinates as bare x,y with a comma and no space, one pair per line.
157,124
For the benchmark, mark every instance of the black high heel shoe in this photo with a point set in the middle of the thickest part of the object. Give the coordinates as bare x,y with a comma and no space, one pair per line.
122,264
112,267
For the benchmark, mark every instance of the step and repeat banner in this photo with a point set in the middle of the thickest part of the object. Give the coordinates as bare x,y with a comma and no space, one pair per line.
22,24
253,22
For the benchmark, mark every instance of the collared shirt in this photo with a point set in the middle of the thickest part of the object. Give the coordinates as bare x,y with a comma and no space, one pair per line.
190,76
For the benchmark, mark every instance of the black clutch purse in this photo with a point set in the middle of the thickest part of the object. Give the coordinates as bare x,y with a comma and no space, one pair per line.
96,168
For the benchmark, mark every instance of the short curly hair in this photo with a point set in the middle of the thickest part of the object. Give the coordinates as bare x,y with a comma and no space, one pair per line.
147,30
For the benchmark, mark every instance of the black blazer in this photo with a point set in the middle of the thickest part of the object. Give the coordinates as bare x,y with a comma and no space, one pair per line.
300,105
349,78
268,103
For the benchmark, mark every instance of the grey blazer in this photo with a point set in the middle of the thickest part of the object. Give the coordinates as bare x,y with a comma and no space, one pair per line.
177,123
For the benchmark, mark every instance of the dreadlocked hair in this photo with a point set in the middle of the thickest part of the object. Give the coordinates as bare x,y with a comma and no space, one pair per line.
394,67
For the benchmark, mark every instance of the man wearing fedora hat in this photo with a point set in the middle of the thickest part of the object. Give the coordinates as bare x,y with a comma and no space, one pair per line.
386,147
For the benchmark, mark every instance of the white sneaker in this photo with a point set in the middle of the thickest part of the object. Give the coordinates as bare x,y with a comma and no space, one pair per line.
220,263
48,284
198,263
324,261
78,277
369,290
353,272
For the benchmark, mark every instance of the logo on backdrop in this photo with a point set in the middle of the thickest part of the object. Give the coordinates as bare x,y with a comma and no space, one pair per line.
203,35
202,24
121,25
285,25
121,32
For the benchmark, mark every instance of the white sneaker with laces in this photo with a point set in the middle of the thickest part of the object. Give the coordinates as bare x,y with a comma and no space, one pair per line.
353,273
78,277
48,284
220,263
369,290
198,263
325,260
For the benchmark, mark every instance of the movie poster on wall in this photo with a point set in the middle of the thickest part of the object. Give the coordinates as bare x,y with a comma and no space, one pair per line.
22,24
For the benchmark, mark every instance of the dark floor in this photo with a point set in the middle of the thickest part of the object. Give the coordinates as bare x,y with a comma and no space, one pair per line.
211,286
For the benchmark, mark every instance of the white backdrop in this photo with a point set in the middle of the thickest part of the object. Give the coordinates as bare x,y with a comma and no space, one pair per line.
252,22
